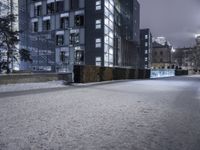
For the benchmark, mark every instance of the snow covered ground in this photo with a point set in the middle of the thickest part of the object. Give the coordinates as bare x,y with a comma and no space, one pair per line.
30,86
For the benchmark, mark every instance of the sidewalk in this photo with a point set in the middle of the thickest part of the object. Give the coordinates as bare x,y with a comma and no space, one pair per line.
31,86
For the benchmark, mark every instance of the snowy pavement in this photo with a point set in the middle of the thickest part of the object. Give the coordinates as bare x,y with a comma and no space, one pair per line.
159,114
30,86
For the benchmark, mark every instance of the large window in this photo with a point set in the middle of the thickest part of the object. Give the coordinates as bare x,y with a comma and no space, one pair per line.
109,33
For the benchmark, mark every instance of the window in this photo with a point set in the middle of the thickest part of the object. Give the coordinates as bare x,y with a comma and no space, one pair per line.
64,22
63,56
146,44
50,8
146,37
98,43
98,61
146,59
37,10
146,51
74,37
35,26
79,57
79,20
74,4
46,25
98,5
60,6
98,24
161,53
59,39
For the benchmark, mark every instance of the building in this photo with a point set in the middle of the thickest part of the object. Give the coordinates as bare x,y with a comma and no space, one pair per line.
145,48
161,56
61,33
183,58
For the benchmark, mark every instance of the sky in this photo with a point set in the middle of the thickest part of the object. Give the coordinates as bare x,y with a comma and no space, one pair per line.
177,20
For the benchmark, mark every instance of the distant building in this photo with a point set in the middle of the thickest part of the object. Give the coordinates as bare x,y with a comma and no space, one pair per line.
61,33
183,58
162,56
145,48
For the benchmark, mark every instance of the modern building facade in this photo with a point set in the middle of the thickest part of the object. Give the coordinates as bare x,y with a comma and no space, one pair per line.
145,48
61,33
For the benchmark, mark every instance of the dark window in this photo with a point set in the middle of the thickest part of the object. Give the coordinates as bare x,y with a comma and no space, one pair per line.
62,56
59,40
38,10
79,20
59,6
46,25
74,4
35,27
161,53
50,8
74,38
64,22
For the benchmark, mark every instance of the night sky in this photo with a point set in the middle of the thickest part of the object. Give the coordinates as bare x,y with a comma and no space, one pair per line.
177,20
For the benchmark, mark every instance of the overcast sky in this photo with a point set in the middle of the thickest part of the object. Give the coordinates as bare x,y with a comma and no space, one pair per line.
177,20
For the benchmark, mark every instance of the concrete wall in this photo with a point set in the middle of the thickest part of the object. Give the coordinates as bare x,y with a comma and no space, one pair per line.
85,74
28,78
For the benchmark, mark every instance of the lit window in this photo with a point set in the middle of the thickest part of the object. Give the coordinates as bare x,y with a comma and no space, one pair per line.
146,37
98,5
98,61
98,24
98,43
146,51
146,44
146,59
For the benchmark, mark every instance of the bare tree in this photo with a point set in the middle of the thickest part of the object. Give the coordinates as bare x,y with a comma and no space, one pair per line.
8,39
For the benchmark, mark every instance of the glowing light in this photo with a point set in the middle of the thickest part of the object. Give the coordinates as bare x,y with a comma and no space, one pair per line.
197,35
173,50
